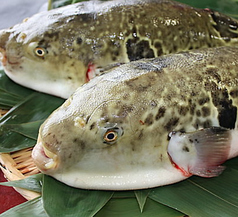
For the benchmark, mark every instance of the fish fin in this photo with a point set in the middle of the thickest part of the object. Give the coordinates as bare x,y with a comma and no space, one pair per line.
209,172
212,147
200,152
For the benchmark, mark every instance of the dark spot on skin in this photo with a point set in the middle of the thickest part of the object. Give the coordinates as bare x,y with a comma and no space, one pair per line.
161,157
190,140
141,135
224,25
149,120
70,78
234,93
92,126
54,34
82,145
137,49
198,113
124,111
192,107
183,110
207,124
159,49
206,111
171,124
227,113
186,149
160,113
79,40
197,124
70,155
203,100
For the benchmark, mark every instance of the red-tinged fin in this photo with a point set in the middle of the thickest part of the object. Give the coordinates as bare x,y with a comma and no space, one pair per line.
213,147
201,152
209,172
91,72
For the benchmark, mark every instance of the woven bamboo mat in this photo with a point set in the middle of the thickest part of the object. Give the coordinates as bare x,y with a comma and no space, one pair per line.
18,165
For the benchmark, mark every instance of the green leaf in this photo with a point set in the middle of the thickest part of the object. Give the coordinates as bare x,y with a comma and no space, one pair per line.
10,92
8,100
141,197
202,197
128,207
195,196
59,3
19,127
62,200
25,129
32,183
32,208
229,7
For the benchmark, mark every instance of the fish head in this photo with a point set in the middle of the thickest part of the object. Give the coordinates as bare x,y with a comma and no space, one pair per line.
32,55
96,140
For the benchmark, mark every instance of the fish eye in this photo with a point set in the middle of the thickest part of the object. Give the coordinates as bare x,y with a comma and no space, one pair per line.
110,136
40,52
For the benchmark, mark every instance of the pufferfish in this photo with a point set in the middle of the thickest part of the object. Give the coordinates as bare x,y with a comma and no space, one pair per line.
147,123
57,51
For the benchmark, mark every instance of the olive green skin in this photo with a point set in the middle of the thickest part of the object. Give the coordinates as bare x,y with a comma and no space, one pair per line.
105,34
143,101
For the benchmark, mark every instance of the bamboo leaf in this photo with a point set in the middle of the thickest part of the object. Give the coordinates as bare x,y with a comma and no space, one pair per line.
129,207
141,197
62,200
202,197
26,129
19,127
32,208
32,183
10,91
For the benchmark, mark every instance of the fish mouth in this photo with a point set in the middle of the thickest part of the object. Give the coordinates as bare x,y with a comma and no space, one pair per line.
3,56
44,159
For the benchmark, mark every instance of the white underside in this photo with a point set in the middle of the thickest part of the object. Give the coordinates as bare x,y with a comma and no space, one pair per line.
234,144
46,86
122,181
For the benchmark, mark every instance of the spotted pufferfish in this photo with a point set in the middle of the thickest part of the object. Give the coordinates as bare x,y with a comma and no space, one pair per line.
146,123
57,51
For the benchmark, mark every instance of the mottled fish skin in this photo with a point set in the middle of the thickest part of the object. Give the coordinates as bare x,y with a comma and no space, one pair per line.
51,51
112,133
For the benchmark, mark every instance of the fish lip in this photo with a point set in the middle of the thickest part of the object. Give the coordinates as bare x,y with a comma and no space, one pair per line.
3,56
44,159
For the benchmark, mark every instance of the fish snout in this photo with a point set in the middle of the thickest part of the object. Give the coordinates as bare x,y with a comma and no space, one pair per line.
44,159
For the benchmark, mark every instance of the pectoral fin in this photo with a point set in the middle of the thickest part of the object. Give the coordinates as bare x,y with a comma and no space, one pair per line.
208,172
201,152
